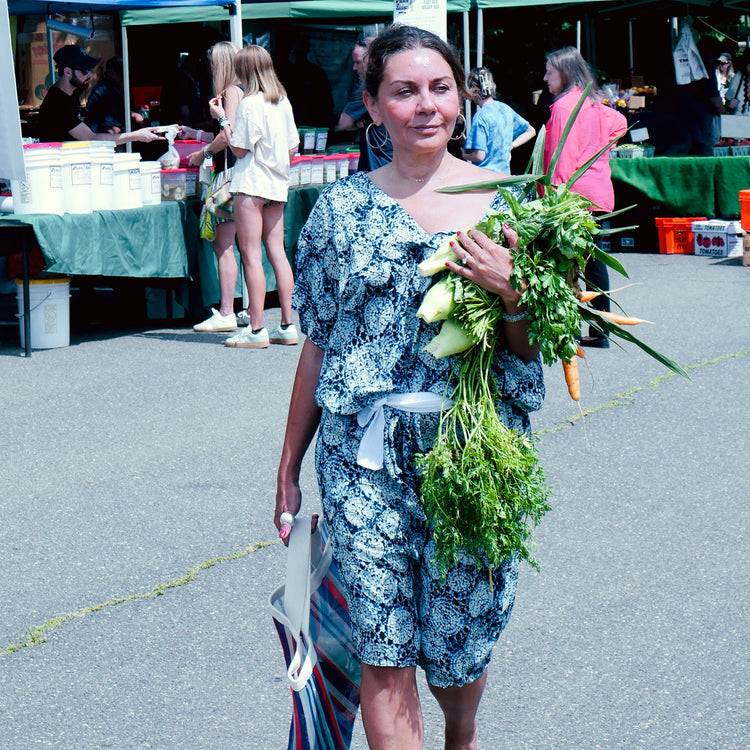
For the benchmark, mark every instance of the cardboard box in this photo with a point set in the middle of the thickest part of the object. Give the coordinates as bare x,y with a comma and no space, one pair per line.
746,248
637,102
717,238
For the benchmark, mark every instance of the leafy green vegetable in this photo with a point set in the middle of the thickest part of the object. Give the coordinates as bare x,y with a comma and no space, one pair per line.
482,487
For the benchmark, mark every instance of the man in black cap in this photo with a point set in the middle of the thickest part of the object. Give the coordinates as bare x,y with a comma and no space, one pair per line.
59,119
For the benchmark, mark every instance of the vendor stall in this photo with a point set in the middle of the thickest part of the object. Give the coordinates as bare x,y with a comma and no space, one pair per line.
686,185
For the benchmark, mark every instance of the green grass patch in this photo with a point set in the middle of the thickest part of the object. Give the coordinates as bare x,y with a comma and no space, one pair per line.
35,636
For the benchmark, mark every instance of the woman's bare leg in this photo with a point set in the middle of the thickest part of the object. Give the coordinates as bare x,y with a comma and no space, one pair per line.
248,216
459,706
273,239
224,249
391,713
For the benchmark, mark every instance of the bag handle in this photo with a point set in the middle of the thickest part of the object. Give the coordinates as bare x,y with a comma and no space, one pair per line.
297,593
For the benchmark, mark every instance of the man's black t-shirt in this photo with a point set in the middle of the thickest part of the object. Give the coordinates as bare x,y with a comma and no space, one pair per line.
58,115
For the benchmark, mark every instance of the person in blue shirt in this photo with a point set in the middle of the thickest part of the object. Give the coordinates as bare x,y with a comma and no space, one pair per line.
496,129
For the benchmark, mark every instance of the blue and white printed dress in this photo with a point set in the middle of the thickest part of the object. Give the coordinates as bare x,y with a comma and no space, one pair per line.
357,293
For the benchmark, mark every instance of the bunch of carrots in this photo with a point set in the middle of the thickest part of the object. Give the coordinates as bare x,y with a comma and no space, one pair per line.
557,233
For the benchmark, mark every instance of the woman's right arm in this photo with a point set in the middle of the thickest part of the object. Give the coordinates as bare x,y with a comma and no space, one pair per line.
302,422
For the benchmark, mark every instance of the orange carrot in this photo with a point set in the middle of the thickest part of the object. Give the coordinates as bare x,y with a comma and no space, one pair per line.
580,353
622,320
570,368
587,296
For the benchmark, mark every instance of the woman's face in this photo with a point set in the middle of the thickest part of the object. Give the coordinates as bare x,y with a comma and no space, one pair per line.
553,79
418,100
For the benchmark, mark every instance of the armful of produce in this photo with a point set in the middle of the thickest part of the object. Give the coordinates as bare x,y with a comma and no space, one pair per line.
483,489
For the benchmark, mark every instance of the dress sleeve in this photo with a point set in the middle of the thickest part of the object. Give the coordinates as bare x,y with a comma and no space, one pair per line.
315,294
521,384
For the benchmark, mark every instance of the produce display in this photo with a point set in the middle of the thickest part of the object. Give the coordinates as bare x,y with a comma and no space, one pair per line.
482,488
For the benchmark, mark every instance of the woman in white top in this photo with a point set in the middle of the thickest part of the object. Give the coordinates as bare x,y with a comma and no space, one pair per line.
263,139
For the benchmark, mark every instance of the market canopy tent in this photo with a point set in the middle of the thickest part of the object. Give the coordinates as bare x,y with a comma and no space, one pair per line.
230,8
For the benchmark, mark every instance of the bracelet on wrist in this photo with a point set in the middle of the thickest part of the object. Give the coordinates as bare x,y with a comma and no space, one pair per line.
516,318
199,135
207,154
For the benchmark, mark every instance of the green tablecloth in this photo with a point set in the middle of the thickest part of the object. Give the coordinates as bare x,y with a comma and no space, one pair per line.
297,209
149,242
687,185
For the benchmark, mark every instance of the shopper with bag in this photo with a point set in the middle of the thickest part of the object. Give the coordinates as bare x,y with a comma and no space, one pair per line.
217,220
264,139
357,295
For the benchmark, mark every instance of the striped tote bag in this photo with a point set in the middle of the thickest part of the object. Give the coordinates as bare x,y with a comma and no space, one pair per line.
312,620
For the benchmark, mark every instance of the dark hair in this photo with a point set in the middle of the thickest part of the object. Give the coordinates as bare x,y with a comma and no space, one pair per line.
398,38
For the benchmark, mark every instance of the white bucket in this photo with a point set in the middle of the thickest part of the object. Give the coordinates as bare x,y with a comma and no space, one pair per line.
127,187
102,175
42,190
49,307
151,182
76,173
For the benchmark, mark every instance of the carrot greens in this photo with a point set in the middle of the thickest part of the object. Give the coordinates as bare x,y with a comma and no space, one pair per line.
482,486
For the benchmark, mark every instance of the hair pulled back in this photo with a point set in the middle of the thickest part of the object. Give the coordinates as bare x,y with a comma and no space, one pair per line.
398,38
480,84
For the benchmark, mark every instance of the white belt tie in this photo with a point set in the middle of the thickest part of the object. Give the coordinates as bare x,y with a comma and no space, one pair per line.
370,454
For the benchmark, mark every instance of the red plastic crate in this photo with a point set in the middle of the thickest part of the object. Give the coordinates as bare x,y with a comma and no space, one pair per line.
676,234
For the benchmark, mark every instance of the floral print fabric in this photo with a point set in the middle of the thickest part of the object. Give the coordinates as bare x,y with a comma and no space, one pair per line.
357,293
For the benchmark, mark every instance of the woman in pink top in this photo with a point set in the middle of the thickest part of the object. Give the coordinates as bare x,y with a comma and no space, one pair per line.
567,76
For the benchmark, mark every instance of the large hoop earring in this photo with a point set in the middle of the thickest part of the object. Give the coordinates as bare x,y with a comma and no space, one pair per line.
377,136
462,134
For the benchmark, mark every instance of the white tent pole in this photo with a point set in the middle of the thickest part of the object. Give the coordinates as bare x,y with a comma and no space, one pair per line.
126,82
578,34
126,75
235,23
480,36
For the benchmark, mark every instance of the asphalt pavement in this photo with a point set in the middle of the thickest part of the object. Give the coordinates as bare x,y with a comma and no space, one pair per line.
137,550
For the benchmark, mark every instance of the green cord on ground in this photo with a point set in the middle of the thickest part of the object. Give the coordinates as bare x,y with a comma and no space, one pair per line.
623,398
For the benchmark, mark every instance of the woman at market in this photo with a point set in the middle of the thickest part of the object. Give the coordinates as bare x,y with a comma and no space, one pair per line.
567,75
357,294
226,88
264,139
724,72
496,129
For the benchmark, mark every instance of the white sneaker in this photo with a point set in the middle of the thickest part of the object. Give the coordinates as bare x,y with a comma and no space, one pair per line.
286,335
246,339
243,319
217,322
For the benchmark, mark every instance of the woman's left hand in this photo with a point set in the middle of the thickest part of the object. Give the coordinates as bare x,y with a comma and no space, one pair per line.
487,263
